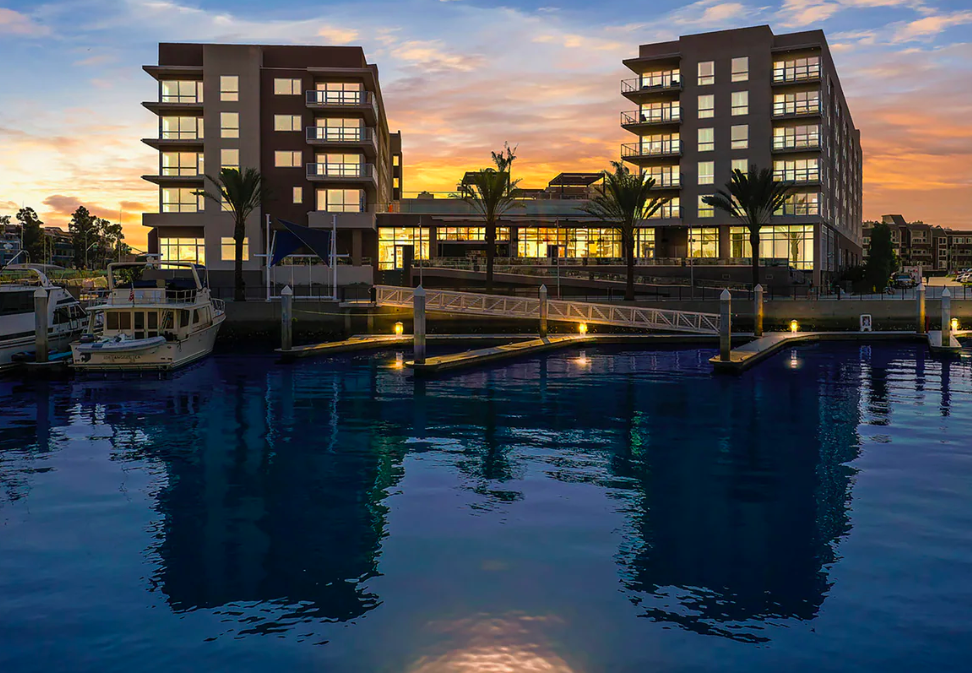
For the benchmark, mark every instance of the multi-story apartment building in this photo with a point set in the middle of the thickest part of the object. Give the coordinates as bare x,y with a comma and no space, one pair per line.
311,119
933,248
711,103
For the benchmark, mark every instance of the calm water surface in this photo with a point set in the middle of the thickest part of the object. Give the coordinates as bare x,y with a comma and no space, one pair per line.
624,512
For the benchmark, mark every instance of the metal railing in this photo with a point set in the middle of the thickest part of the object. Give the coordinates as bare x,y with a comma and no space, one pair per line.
796,108
797,175
503,306
797,73
652,116
339,170
646,83
339,134
797,142
321,98
150,295
652,149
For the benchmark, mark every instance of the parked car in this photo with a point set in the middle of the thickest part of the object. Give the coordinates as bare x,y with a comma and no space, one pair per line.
902,281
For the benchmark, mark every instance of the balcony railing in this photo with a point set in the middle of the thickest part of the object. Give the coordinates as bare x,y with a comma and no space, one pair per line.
666,179
325,171
662,148
648,84
652,116
801,73
319,98
338,134
798,142
797,175
796,108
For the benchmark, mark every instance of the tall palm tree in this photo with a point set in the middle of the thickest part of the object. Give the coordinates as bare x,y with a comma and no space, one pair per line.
626,200
752,198
490,192
240,193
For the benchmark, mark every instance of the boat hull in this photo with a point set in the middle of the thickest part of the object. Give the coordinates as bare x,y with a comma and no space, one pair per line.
163,357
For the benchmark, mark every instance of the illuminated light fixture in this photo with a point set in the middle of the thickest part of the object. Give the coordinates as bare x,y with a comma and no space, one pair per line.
582,328
955,324
399,359
794,326
399,329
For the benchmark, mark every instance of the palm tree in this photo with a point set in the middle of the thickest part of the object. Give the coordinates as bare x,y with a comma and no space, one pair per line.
241,194
490,192
625,201
752,198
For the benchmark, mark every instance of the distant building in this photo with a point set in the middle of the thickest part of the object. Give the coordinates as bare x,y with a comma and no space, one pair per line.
9,242
59,249
933,248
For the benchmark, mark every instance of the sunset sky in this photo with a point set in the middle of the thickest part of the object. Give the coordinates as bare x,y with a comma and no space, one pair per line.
461,76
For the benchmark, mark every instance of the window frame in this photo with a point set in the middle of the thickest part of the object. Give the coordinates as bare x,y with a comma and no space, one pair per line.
226,130
229,88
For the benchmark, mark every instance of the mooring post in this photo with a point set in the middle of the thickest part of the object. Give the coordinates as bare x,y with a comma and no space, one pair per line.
921,309
758,311
543,310
725,325
40,325
946,318
418,338
286,319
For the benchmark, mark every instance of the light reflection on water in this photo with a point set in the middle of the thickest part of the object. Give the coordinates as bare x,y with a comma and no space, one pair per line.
584,511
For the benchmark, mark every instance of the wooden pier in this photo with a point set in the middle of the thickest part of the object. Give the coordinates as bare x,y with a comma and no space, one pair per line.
474,358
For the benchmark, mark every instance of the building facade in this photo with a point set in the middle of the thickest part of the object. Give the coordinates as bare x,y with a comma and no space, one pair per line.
932,248
711,103
310,119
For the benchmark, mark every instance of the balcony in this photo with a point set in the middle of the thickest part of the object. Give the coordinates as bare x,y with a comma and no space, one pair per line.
666,180
175,105
348,173
340,137
635,152
801,143
796,74
668,214
637,119
800,177
788,109
177,176
640,88
343,102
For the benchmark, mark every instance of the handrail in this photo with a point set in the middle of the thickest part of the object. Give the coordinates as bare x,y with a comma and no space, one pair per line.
315,170
339,134
652,115
652,148
339,98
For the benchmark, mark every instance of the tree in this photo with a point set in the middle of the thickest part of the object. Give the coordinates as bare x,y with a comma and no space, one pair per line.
4,220
110,236
881,260
752,198
490,192
627,199
33,234
84,233
241,193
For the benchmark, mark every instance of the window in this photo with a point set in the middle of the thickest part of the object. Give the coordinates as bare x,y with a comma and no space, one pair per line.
740,69
740,165
396,160
644,242
668,210
181,128
706,73
298,194
339,165
227,249
796,69
664,176
792,137
181,200
705,210
801,102
340,200
229,159
229,124
792,243
657,112
800,170
286,122
706,140
397,183
229,88
667,143
661,79
391,243
706,106
706,172
286,159
740,137
800,204
740,103
470,233
286,87
190,91
182,250
182,163
339,93
703,242
340,130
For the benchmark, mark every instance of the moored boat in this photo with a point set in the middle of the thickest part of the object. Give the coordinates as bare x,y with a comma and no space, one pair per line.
150,324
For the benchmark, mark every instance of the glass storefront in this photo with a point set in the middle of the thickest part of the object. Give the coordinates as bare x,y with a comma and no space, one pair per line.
182,250
392,240
793,243
469,234
703,242
532,242
644,243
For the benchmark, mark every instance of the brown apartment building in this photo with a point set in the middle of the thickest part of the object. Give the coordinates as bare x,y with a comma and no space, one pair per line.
710,103
311,119
933,248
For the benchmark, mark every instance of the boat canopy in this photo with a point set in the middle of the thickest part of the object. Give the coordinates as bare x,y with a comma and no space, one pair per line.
287,242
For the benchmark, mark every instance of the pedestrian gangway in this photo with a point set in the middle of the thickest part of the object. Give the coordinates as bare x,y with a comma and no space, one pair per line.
501,306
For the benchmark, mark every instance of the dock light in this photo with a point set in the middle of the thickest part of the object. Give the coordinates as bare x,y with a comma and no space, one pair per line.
955,324
582,328
794,326
399,329
399,359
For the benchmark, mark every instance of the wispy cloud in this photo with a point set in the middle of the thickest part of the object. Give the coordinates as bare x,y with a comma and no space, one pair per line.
15,23
929,26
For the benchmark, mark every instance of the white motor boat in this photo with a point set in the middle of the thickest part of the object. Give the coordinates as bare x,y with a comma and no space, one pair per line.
66,319
158,324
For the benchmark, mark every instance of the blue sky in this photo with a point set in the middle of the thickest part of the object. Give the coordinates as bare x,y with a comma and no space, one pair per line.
462,76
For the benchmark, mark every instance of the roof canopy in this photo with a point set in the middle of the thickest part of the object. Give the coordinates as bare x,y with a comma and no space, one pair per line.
576,179
287,242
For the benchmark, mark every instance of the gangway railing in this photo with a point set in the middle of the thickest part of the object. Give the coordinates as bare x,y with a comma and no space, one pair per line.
502,306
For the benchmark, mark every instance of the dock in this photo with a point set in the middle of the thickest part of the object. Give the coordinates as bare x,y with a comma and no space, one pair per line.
757,350
474,358
362,342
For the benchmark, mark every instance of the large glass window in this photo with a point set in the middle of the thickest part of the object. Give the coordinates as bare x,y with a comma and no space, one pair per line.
182,163
706,172
182,250
339,165
182,91
666,143
705,210
227,249
340,93
469,234
706,140
338,129
793,243
795,69
740,69
287,159
740,165
801,102
661,78
703,242
664,176
740,137
286,122
182,128
181,200
286,86
229,88
229,124
800,204
668,210
645,242
740,103
706,106
799,170
229,159
340,200
706,73
534,242
392,240
795,137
